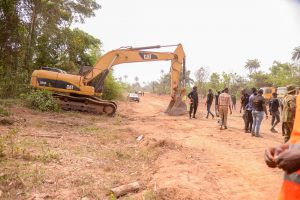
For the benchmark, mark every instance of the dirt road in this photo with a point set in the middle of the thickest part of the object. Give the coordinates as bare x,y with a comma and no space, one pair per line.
179,158
212,164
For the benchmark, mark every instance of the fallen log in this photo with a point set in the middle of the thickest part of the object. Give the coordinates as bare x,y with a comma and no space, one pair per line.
124,189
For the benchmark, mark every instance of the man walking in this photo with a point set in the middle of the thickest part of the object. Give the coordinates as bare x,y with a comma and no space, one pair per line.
193,96
274,111
288,112
244,103
209,100
249,108
224,104
233,100
216,103
259,108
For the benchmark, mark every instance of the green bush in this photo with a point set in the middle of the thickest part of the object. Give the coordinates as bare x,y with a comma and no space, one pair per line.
42,100
14,84
112,89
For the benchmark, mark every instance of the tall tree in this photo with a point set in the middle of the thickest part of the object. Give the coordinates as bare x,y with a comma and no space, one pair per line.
188,80
296,54
215,82
37,32
260,79
282,74
252,65
125,77
136,79
201,76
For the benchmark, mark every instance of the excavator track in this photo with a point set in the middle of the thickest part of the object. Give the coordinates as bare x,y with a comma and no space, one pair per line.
86,104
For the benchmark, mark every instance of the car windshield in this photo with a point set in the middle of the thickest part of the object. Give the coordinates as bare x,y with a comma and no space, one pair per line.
133,95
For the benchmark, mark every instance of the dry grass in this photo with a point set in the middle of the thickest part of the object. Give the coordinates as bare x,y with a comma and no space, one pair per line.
95,154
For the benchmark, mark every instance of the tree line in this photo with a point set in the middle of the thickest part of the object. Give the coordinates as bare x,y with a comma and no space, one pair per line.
35,33
279,74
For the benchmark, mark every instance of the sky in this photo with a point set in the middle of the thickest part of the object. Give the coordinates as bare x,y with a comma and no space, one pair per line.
220,35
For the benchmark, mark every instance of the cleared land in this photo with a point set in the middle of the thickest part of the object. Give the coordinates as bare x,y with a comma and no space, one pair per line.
72,155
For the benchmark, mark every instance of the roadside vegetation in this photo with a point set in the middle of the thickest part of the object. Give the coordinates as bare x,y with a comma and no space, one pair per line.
32,37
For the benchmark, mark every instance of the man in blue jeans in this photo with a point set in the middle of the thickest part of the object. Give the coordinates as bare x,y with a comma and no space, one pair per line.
259,108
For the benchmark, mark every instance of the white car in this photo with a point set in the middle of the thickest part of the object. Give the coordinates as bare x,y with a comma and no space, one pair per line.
133,97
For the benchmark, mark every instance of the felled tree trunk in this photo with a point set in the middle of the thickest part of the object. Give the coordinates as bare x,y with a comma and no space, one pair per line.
124,189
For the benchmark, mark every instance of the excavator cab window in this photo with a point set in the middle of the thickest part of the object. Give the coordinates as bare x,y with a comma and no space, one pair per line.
52,69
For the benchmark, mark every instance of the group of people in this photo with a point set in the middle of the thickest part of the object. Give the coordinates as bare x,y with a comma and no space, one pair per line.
254,108
223,105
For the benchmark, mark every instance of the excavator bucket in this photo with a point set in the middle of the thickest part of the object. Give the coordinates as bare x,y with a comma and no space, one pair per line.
176,107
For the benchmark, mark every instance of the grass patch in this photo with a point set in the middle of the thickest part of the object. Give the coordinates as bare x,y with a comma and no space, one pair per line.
9,102
38,123
47,156
149,195
90,129
4,112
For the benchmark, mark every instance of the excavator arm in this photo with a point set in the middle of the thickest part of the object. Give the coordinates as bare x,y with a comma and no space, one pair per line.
131,55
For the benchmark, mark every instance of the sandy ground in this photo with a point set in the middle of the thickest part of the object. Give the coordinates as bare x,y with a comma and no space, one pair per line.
214,164
179,158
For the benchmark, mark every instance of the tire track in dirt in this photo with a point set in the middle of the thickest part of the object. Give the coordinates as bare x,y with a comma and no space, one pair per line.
212,164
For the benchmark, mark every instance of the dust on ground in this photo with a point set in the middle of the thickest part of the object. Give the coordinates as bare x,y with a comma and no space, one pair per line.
72,155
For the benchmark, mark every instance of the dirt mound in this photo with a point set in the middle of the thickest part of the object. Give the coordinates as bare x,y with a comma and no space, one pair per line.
152,143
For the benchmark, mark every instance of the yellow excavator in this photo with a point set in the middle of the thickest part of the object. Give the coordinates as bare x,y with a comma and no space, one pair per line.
79,92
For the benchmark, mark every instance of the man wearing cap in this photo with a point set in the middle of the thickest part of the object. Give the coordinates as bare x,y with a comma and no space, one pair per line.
288,112
193,96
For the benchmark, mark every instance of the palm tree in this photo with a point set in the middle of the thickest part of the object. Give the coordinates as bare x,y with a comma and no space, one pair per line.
188,80
252,65
296,56
136,79
125,77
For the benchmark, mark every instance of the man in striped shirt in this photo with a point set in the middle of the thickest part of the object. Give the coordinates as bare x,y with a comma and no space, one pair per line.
224,105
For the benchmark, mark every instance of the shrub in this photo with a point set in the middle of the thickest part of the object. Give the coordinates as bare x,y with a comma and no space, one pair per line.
42,100
112,89
13,84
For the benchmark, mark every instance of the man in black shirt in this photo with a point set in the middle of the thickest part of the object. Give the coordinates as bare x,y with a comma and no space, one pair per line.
193,96
246,115
216,103
259,108
274,111
209,100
